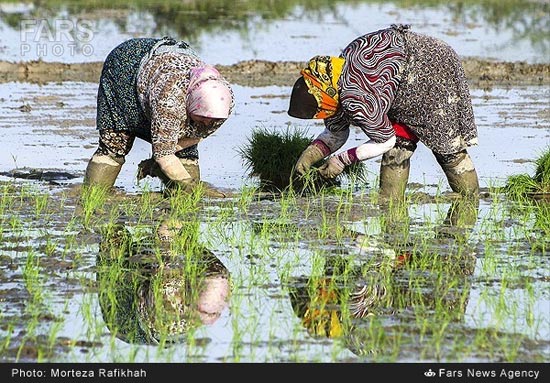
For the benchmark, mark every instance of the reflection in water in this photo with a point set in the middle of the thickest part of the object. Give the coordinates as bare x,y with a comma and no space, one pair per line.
61,21
461,218
340,303
148,295
407,286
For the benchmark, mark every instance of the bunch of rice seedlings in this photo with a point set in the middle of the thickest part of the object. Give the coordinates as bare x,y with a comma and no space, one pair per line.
271,155
523,185
542,172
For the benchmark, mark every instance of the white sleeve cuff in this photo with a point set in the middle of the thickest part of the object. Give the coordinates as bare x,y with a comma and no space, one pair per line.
371,149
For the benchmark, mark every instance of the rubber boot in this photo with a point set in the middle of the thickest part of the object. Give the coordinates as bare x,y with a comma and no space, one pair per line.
461,173
151,168
192,167
394,175
103,170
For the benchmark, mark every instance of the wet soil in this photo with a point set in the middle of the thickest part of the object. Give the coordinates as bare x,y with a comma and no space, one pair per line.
251,73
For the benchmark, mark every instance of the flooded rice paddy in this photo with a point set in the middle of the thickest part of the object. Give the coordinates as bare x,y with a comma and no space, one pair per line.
334,277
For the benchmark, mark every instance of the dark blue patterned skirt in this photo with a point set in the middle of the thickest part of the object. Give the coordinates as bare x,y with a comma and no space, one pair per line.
118,106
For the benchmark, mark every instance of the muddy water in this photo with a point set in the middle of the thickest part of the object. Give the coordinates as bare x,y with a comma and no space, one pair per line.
514,127
51,129
473,30
56,314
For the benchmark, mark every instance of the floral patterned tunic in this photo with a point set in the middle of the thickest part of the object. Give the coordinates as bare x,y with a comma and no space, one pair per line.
142,93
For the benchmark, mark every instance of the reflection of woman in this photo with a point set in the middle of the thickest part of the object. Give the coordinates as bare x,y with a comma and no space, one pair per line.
333,305
148,299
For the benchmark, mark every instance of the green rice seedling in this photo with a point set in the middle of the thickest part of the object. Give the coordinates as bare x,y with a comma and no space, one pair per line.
271,155
49,246
70,237
542,220
93,198
41,203
521,186
55,328
7,334
542,171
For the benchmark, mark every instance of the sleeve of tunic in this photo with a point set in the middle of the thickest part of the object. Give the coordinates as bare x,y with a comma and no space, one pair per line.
369,81
336,131
168,117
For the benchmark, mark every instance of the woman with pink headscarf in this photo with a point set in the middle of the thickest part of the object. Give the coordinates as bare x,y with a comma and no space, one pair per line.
160,91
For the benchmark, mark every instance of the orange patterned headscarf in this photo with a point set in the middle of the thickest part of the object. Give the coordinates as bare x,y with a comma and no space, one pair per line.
321,318
321,76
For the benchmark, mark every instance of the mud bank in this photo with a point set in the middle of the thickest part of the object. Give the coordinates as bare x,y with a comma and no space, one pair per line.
251,73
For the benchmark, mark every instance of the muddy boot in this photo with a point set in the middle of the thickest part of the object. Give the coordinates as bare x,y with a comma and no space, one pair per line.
461,173
193,168
150,167
210,191
103,170
174,188
394,174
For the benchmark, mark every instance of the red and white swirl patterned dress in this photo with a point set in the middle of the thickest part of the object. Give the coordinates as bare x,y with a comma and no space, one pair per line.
401,76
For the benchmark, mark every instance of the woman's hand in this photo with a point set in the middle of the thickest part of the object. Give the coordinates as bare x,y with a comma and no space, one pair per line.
310,156
332,168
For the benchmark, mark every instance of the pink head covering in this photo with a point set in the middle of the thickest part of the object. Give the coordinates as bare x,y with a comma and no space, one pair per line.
209,94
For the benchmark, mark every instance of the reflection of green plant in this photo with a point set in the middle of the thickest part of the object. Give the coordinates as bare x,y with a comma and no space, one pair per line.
522,185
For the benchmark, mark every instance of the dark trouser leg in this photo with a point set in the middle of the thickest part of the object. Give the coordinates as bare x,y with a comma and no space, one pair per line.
394,171
461,173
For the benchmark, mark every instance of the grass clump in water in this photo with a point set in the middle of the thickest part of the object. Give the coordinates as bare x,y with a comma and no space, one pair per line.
523,185
271,155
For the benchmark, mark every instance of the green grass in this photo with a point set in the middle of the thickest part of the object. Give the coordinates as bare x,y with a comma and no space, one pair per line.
325,277
521,186
271,155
